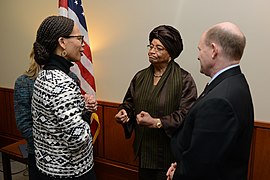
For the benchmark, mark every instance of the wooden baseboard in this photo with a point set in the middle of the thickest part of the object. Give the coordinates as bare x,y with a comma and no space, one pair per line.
106,169
114,158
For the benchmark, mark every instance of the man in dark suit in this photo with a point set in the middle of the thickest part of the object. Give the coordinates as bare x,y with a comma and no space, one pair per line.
214,141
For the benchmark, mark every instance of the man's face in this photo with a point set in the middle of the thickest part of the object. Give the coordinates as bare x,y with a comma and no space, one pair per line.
204,56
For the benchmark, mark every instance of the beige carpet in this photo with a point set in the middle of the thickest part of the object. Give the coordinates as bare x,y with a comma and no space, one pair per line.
19,171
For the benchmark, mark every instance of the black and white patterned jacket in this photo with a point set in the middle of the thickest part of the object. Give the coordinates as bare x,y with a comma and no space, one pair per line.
62,139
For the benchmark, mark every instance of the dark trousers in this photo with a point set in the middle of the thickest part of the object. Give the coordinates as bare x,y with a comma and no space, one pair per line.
32,168
152,174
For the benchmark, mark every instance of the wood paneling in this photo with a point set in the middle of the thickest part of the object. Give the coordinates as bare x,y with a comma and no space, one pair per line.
112,170
117,148
113,153
114,159
260,155
8,129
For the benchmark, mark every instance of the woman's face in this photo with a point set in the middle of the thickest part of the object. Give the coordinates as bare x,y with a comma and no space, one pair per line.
74,45
157,53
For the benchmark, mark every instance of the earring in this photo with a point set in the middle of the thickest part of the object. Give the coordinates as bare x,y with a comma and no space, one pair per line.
64,53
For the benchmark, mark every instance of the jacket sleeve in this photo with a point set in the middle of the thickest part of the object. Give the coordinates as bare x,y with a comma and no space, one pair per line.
128,105
189,95
209,135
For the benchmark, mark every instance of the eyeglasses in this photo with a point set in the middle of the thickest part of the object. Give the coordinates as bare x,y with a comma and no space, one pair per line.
156,48
79,37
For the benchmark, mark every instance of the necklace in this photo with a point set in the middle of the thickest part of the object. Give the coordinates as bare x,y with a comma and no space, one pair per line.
157,75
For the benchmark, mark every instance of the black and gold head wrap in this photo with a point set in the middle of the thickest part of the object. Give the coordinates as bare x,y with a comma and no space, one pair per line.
169,37
48,33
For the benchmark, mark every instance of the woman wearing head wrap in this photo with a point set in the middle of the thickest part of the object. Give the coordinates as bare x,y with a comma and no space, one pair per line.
157,102
61,131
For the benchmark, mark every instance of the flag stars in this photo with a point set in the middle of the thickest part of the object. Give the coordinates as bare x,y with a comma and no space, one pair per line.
76,2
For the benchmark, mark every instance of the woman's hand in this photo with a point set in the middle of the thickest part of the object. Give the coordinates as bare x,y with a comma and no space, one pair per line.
121,117
90,102
145,119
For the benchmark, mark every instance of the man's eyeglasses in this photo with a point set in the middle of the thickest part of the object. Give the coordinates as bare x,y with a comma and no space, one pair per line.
156,48
79,37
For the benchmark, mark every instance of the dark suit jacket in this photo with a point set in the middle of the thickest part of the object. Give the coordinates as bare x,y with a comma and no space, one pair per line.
214,142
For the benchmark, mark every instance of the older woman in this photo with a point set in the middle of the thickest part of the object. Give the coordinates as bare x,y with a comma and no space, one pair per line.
62,138
157,102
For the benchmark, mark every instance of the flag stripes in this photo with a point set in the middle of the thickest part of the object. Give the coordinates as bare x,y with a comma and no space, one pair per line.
83,69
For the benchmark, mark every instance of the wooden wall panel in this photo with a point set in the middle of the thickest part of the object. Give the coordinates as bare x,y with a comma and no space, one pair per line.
3,115
111,170
113,153
117,148
114,159
260,156
8,129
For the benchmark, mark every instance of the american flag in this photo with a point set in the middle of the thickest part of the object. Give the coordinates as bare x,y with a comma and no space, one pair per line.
83,69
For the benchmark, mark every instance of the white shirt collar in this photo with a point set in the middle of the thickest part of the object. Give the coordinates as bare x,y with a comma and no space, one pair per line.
221,71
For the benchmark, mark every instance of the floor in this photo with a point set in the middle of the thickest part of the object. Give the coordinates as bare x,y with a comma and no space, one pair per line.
19,171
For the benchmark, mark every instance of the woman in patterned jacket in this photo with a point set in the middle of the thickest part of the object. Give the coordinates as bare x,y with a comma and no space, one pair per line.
23,90
62,138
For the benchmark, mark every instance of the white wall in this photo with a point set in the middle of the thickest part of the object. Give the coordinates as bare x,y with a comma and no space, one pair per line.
119,31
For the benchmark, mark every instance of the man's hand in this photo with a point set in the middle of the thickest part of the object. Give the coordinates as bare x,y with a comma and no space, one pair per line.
170,171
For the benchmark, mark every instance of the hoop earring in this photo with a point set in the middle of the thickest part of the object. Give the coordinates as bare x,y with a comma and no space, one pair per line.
64,53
